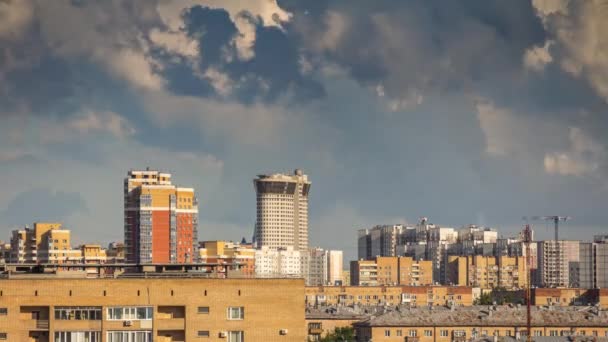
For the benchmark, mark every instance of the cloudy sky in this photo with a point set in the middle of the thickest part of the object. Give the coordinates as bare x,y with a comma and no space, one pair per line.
463,111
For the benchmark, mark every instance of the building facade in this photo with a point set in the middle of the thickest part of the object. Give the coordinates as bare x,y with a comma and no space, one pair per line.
282,262
227,252
282,211
558,262
475,323
487,272
161,219
146,310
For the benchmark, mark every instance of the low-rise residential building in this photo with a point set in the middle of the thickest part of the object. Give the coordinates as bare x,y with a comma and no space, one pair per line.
227,252
487,272
471,323
152,309
565,296
390,295
392,271
363,273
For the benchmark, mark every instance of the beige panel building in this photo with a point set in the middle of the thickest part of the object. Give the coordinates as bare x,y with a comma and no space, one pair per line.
487,272
144,310
391,271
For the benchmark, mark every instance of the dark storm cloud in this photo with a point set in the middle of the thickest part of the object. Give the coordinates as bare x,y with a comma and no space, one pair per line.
273,71
419,45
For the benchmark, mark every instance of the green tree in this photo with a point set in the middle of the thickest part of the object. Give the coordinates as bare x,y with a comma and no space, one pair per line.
484,299
344,334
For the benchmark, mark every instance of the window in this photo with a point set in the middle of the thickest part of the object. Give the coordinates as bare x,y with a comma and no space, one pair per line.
3,311
3,336
236,312
387,333
79,313
70,336
412,333
203,333
428,333
129,313
553,333
125,336
203,310
399,333
443,333
236,336
460,333
315,325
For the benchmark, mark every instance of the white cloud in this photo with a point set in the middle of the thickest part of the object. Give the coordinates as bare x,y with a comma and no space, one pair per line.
268,10
245,39
104,121
499,128
15,16
135,67
581,42
537,57
584,156
548,7
175,42
220,81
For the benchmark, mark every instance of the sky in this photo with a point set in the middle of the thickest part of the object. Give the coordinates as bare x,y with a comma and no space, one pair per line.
466,112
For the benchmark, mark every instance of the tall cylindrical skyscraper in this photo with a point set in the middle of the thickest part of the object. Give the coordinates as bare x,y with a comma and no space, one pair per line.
282,211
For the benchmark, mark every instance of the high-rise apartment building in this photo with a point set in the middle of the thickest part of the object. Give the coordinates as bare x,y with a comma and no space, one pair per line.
557,263
282,211
334,267
379,241
324,267
592,270
161,219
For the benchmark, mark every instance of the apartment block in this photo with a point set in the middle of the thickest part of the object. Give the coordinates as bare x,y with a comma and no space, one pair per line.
390,295
363,273
592,268
44,243
474,323
227,252
487,272
558,262
318,261
146,310
379,241
282,262
161,219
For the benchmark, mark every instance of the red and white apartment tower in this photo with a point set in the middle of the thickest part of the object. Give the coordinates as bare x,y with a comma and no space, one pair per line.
161,220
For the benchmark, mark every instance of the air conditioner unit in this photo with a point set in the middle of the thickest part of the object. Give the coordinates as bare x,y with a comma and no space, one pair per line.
223,334
283,331
128,323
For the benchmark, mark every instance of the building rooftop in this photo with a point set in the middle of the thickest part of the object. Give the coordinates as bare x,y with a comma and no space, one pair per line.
490,316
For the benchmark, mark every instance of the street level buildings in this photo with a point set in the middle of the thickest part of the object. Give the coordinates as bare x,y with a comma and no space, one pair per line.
282,211
161,219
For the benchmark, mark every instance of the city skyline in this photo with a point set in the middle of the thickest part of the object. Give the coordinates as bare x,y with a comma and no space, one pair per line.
476,112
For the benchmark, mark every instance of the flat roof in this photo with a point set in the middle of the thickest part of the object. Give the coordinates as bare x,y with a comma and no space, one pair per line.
489,316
